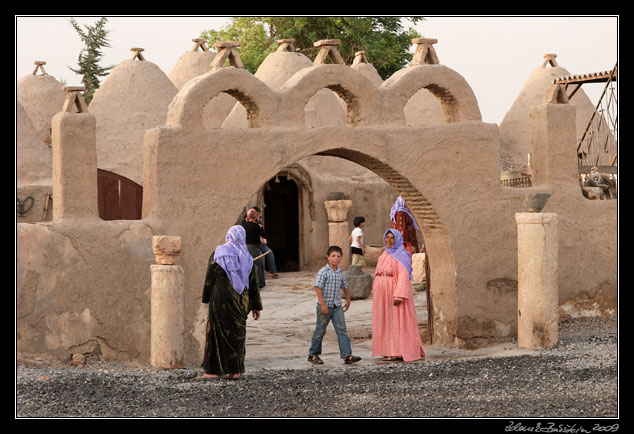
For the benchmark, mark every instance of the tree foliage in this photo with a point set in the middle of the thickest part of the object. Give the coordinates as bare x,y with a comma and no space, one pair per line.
384,39
94,39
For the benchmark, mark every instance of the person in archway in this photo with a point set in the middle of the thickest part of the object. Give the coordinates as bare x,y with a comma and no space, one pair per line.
270,257
232,292
357,248
405,223
395,333
254,232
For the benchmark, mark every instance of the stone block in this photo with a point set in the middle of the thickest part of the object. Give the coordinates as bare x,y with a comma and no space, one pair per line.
418,267
359,283
166,249
78,360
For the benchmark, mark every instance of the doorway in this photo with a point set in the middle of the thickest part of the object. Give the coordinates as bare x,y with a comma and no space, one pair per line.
281,221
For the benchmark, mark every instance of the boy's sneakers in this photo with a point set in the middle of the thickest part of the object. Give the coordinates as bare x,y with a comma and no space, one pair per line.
351,359
315,360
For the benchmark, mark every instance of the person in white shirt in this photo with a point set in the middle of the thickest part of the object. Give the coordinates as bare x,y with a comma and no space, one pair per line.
357,248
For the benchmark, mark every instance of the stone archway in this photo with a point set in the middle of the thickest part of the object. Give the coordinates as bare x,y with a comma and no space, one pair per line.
198,190
429,222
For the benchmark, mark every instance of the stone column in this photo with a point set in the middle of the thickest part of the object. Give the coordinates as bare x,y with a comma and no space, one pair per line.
167,309
74,143
338,231
538,292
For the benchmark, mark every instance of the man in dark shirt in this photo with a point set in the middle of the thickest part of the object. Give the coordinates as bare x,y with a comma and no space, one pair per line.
269,259
254,232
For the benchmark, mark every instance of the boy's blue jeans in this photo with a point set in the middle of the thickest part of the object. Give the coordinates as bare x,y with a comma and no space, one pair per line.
339,323
270,259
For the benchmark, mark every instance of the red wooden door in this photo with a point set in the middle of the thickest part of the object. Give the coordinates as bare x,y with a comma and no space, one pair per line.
119,198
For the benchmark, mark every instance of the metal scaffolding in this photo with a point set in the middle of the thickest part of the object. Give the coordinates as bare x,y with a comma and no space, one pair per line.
598,146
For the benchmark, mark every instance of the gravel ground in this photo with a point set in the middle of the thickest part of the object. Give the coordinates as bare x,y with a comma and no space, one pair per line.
576,379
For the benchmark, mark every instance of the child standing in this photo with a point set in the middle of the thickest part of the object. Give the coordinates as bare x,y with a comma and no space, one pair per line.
328,285
357,249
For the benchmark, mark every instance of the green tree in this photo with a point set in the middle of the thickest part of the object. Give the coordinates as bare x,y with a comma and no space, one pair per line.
384,39
94,39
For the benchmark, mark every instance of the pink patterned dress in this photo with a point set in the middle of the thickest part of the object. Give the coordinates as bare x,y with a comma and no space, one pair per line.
394,328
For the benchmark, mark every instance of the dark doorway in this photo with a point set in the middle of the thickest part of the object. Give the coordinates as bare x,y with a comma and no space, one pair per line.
281,221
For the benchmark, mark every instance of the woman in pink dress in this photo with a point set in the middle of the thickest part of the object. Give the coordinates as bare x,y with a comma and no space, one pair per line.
394,324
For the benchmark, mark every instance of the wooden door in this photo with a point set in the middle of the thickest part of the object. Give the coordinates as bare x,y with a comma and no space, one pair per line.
119,198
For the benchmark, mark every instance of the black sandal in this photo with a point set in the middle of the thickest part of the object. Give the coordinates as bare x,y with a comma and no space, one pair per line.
351,359
315,360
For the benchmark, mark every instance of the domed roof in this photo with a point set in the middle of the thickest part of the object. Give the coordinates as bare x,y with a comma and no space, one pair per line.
423,109
361,64
191,64
196,62
515,140
133,98
34,162
42,97
279,66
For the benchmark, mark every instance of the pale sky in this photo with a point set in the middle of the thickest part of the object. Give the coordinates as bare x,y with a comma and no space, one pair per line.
495,54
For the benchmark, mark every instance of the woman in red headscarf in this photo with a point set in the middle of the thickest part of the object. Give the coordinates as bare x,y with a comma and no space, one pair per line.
404,222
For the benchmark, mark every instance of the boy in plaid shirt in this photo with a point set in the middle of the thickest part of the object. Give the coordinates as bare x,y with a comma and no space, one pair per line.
328,285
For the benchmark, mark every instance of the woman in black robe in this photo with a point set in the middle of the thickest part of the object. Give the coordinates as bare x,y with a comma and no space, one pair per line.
231,289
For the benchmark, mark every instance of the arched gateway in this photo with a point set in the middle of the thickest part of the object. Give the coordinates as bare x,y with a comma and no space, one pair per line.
197,180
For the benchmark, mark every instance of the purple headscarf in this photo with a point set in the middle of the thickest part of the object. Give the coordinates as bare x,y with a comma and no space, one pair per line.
398,252
235,259
399,205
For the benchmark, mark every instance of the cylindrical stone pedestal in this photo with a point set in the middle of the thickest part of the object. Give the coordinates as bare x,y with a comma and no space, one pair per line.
338,235
167,310
167,315
538,292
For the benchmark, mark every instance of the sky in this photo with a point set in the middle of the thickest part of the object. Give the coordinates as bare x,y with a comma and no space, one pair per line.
495,54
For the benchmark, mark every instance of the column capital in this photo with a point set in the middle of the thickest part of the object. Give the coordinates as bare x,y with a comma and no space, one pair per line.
337,210
166,249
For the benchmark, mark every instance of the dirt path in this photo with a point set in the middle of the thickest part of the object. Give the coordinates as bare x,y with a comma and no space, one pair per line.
281,337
